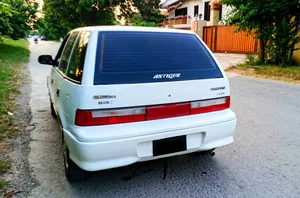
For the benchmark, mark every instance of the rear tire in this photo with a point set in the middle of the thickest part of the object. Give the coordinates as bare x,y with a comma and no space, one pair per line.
73,172
53,113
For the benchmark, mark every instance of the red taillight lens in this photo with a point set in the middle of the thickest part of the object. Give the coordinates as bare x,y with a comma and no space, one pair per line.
167,111
206,106
103,117
83,118
117,116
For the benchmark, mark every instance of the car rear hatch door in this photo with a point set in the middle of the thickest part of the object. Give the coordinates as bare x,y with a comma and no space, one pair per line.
144,71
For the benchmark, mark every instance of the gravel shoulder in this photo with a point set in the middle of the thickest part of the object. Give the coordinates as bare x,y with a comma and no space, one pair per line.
20,175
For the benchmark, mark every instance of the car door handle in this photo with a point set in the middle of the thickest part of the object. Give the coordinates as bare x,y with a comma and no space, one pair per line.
57,92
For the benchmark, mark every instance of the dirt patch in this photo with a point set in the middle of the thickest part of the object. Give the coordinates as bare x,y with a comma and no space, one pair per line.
4,148
240,70
286,74
19,176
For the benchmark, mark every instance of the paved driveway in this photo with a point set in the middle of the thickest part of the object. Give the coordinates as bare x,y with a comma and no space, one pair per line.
227,60
264,160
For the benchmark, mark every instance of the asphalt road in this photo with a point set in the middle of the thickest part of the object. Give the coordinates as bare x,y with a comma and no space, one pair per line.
264,160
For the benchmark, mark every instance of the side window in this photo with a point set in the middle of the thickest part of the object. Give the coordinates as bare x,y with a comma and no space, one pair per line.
61,48
64,60
75,69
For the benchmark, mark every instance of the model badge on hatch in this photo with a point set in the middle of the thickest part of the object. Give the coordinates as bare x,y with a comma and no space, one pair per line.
104,97
217,88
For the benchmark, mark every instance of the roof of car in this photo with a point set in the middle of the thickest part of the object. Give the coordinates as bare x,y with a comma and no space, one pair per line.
132,28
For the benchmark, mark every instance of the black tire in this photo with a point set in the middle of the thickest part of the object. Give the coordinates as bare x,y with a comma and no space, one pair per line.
53,113
73,172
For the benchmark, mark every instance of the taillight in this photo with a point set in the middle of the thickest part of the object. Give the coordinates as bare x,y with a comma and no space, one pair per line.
126,115
206,106
167,111
103,117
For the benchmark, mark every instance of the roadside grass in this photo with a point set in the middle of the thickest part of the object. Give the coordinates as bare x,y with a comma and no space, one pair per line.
3,184
13,55
5,165
282,73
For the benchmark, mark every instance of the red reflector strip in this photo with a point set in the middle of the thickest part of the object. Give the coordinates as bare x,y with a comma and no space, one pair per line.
126,115
167,111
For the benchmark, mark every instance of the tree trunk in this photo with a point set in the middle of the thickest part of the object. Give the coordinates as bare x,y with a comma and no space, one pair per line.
294,42
262,49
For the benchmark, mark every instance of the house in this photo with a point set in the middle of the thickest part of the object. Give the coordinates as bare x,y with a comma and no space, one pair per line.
183,12
163,11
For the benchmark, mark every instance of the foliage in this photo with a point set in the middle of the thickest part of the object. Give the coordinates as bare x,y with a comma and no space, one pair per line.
5,165
16,17
3,184
137,20
252,59
272,21
62,16
146,24
149,10
13,54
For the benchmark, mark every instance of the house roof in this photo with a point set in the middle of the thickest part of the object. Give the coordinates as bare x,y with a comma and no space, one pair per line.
168,2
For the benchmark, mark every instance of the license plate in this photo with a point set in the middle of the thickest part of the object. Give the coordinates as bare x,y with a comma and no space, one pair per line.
169,145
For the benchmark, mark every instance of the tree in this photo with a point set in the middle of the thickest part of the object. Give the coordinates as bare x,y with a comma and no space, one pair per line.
6,13
16,17
149,10
270,21
137,20
62,16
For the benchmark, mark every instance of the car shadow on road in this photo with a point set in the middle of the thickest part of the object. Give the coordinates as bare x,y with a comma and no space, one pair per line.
184,173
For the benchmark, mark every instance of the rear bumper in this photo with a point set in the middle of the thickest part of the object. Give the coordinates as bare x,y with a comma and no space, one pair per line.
101,155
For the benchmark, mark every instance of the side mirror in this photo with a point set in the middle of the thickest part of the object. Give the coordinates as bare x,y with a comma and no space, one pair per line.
45,60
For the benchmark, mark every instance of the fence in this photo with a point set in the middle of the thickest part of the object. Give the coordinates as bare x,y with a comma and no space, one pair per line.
223,39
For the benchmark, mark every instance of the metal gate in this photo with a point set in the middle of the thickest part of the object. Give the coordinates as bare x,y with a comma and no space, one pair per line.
224,39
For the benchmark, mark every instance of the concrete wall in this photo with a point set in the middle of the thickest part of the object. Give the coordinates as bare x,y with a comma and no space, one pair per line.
172,13
202,8
197,27
189,4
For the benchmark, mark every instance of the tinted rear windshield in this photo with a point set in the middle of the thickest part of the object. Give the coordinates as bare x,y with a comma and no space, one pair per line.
148,57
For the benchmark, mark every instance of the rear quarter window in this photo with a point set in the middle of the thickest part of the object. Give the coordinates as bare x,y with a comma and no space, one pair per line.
75,69
148,57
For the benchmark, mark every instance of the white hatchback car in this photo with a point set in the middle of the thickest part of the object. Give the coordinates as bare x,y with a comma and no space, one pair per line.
129,94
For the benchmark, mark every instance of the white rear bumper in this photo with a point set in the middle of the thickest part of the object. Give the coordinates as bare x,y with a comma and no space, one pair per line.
101,155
